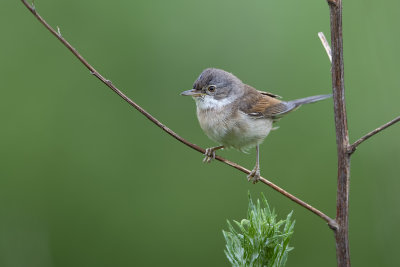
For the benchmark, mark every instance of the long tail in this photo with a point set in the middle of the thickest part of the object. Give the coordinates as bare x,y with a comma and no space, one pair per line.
294,104
311,99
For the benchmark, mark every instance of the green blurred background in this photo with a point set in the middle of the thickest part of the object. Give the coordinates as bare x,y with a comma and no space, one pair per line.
85,180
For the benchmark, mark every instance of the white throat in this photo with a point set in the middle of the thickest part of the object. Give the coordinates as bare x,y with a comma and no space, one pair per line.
208,102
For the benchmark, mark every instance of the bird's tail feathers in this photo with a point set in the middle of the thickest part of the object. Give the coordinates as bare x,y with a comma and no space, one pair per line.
295,104
307,100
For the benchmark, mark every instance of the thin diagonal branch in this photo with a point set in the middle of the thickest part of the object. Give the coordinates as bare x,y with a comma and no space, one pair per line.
93,71
354,146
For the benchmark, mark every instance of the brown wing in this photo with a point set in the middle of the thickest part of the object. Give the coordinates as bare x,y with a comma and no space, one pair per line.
259,105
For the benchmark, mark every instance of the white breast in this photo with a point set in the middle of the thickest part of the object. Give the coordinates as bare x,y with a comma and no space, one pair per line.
230,128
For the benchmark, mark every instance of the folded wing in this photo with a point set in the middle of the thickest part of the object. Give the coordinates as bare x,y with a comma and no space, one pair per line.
265,105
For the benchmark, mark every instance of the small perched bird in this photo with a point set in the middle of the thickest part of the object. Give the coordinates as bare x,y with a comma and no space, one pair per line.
236,115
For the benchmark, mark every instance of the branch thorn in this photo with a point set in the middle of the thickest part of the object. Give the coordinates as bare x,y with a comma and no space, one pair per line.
59,32
33,6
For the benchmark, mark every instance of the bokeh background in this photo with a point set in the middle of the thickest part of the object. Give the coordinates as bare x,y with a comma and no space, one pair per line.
85,180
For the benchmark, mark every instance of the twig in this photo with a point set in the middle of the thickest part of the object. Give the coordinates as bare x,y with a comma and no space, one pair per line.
326,45
329,220
354,146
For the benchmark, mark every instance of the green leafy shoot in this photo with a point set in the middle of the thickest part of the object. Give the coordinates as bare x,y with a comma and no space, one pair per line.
259,240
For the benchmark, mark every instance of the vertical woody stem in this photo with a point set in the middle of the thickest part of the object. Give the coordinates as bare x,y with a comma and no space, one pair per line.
342,137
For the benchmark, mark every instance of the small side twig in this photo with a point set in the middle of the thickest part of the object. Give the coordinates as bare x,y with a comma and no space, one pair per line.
331,222
326,45
354,146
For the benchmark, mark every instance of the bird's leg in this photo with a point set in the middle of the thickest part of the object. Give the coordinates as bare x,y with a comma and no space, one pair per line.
254,175
210,153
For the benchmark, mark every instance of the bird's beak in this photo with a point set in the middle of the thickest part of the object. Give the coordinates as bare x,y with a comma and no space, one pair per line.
192,92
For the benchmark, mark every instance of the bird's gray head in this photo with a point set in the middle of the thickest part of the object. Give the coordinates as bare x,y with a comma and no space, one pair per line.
215,87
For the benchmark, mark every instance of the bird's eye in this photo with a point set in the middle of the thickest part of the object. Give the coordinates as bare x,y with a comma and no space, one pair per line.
211,88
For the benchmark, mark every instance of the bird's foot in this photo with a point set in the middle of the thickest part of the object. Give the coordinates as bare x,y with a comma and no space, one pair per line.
254,175
209,155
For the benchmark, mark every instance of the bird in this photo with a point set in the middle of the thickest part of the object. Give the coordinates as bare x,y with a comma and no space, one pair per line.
236,115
